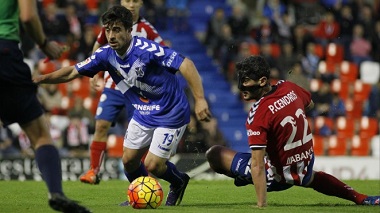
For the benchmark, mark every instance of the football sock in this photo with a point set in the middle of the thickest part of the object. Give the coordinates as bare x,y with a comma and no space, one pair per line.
97,150
49,163
172,175
329,185
140,171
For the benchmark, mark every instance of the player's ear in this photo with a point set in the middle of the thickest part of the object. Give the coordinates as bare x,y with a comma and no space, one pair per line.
263,81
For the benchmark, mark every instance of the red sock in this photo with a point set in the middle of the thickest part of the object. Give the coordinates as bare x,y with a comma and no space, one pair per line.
329,185
97,149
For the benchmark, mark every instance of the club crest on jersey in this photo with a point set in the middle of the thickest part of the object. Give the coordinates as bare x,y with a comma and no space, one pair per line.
81,64
138,67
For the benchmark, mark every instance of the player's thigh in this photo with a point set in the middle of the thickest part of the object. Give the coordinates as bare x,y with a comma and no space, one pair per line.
19,105
165,141
138,136
110,104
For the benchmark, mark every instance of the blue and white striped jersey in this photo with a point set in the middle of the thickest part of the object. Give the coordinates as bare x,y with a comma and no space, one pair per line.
146,75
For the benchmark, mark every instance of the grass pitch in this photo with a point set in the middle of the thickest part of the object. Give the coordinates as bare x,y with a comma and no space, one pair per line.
201,196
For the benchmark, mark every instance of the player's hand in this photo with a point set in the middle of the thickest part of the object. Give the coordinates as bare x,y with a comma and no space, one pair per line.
37,79
97,83
201,110
53,50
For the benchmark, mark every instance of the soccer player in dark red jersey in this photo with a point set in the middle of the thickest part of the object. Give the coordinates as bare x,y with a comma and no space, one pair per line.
112,100
280,139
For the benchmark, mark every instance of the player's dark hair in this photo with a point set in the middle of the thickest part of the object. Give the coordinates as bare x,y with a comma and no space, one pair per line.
253,67
118,14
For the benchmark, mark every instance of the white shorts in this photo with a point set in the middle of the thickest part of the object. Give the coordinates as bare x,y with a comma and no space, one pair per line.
163,142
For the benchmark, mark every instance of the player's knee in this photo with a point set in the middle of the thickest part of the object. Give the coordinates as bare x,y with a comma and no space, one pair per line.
102,126
213,154
154,167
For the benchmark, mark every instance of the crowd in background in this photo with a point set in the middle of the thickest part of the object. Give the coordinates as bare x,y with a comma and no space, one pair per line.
289,34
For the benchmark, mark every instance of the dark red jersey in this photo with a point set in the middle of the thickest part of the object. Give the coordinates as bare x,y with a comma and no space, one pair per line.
278,123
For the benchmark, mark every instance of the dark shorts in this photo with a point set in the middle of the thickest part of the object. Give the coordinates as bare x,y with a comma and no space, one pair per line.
111,103
18,94
241,168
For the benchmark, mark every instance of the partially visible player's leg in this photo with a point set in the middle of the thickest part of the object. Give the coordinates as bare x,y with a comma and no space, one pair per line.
110,104
220,159
330,185
46,154
163,146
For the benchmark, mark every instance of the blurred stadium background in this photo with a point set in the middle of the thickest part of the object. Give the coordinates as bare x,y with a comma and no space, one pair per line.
330,47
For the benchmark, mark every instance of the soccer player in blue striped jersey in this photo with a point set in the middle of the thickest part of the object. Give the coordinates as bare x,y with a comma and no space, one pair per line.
145,72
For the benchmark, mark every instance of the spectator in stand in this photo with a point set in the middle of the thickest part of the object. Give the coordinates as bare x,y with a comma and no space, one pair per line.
227,49
297,76
76,137
300,38
373,102
284,25
287,60
327,30
266,32
360,47
55,25
273,8
78,110
51,99
239,22
214,30
7,148
86,43
177,14
266,53
323,98
75,23
347,21
367,20
337,106
310,61
375,41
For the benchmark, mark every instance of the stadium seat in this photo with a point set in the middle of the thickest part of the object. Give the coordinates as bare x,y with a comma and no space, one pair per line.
361,90
337,146
115,146
354,109
345,127
348,71
334,53
368,127
360,146
315,84
275,50
327,67
323,121
343,88
319,50
369,72
254,49
319,144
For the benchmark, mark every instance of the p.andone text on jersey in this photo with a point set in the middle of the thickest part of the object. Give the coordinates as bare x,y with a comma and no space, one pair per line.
282,102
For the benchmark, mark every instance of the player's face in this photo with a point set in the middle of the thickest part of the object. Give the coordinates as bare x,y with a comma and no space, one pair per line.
118,37
252,89
134,6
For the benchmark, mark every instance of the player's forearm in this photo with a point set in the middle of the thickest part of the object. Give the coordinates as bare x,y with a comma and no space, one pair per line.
259,176
31,21
259,180
190,73
62,75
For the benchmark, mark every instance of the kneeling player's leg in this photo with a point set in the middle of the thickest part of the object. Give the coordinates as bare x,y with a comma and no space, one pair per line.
220,159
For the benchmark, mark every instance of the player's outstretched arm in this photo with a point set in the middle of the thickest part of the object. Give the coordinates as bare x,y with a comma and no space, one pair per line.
190,73
259,177
62,75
